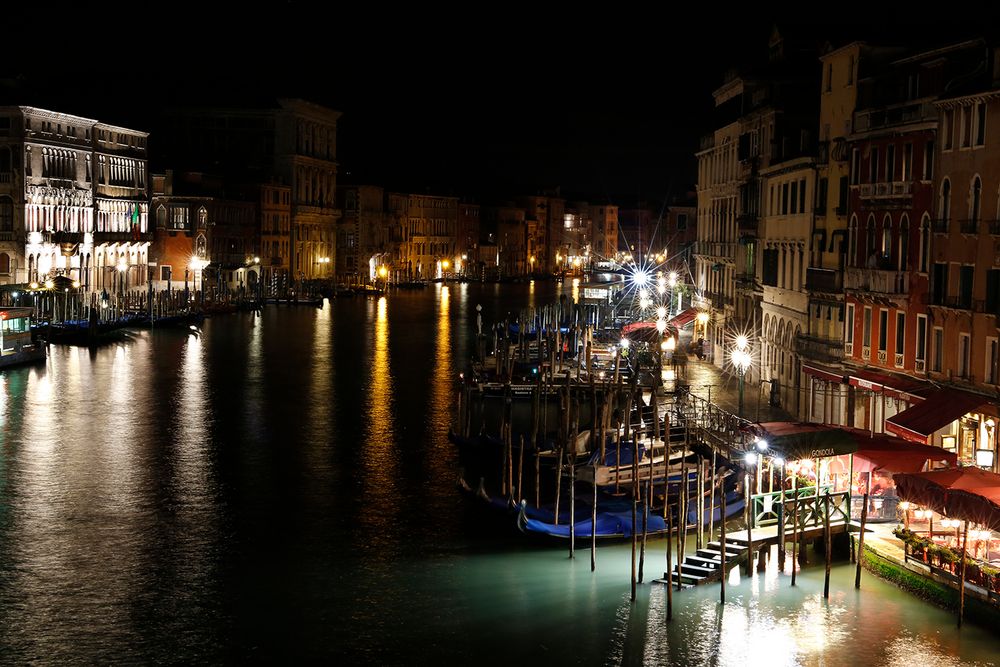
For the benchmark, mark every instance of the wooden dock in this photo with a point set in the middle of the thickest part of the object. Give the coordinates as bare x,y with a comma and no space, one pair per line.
705,565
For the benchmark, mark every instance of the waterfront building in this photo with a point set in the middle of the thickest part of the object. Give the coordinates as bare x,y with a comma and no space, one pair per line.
785,230
604,218
428,247
890,211
544,215
275,236
467,240
639,230
73,200
680,233
506,230
362,233
820,345
293,142
961,346
204,239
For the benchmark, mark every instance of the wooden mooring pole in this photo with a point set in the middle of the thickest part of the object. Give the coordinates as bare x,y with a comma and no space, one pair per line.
861,541
961,578
828,540
722,548
670,574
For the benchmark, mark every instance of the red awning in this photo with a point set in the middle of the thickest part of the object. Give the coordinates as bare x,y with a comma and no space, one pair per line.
961,493
637,326
944,406
878,382
892,454
683,318
823,373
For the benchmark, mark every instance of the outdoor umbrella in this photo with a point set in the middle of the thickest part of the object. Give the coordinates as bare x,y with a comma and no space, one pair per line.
931,489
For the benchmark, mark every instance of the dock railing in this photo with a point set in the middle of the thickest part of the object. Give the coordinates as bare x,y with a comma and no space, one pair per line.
810,507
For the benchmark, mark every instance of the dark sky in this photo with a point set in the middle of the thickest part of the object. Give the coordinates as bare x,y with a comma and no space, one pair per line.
602,106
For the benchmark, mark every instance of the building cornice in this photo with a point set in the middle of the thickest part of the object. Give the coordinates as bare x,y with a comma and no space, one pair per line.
963,100
36,112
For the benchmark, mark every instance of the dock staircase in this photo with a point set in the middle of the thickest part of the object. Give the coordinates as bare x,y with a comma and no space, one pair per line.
705,565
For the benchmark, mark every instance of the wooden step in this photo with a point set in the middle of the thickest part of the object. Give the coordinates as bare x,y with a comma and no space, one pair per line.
668,580
691,568
716,554
731,545
692,578
711,563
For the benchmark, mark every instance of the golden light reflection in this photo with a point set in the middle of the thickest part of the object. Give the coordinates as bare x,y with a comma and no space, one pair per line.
576,290
441,378
380,463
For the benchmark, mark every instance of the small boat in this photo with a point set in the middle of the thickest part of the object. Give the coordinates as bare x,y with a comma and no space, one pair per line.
16,346
614,523
182,320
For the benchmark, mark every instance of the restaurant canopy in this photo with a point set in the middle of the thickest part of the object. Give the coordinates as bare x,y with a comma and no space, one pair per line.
892,454
961,493
800,440
683,318
919,422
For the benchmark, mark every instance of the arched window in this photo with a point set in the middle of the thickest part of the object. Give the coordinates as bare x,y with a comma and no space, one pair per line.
870,249
975,203
887,237
904,243
202,217
161,216
944,207
852,242
4,263
925,243
6,214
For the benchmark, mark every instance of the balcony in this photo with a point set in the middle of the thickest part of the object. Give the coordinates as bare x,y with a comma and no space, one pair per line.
720,301
958,303
823,280
882,356
745,281
866,352
894,190
5,177
908,112
941,225
969,226
994,226
820,349
717,250
876,281
747,222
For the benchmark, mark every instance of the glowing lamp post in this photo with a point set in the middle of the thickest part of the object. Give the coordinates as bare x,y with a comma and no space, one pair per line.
740,357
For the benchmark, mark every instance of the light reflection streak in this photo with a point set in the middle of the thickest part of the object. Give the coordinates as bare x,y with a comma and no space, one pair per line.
442,382
380,462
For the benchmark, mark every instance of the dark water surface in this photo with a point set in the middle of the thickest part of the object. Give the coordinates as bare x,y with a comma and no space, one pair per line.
281,487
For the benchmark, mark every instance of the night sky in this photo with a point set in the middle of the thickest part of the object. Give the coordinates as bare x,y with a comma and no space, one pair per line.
603,107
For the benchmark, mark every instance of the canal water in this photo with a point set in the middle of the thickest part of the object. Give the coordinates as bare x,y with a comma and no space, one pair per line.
281,488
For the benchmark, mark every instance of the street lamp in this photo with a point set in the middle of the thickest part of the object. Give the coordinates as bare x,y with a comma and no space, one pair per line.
741,362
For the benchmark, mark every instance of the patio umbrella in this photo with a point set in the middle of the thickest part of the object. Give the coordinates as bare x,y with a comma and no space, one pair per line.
931,489
981,506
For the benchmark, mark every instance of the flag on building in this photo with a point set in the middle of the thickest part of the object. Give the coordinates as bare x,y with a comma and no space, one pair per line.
135,222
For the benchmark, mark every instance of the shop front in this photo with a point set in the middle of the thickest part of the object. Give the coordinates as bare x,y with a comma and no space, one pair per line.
958,421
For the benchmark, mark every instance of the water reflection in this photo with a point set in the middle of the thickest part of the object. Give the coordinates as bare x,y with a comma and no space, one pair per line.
380,461
283,486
